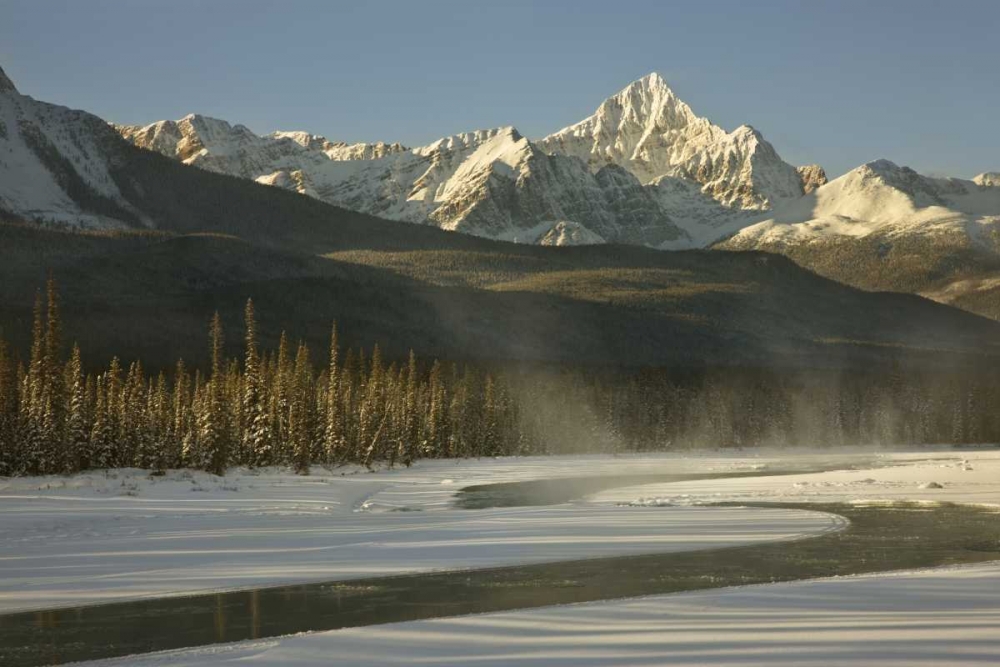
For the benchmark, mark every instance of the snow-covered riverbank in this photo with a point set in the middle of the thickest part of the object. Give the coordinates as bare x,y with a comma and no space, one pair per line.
93,538
100,537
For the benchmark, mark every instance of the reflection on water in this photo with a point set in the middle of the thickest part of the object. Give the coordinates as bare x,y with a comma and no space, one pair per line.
878,538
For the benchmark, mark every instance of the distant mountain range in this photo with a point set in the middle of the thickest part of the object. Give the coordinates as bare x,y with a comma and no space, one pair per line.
643,169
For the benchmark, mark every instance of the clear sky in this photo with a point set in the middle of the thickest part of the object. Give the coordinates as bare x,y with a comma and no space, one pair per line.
838,83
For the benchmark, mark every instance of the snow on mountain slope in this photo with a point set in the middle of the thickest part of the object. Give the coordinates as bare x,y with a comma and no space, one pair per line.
53,166
603,174
217,146
566,232
492,183
340,150
648,130
989,179
878,197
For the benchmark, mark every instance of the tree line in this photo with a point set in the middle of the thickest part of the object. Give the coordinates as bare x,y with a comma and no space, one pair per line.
270,408
282,407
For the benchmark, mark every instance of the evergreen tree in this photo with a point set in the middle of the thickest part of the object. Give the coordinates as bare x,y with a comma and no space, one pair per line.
211,423
301,404
32,398
410,432
438,439
8,412
102,430
333,437
77,434
159,419
282,376
374,411
257,436
181,426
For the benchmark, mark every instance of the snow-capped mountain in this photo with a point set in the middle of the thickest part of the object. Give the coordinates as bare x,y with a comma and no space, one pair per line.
643,169
886,227
648,130
55,165
882,198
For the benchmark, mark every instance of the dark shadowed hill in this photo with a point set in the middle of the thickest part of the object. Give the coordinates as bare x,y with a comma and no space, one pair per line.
149,295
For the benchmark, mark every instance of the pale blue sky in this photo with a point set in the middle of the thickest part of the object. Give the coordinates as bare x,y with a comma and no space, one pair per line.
838,83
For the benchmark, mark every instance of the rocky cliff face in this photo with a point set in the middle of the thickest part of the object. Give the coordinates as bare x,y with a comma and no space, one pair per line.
812,177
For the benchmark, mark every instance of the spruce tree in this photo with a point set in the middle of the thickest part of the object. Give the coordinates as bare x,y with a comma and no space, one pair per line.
211,424
281,381
374,411
182,418
489,442
437,427
8,412
301,407
101,431
77,419
113,390
410,431
257,437
159,418
32,398
333,436
192,454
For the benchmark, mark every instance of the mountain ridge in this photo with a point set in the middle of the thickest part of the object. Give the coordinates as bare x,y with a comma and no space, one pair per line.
738,173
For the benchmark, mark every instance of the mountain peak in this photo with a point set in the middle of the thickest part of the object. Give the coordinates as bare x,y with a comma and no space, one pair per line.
747,133
6,85
882,166
649,98
652,81
652,133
